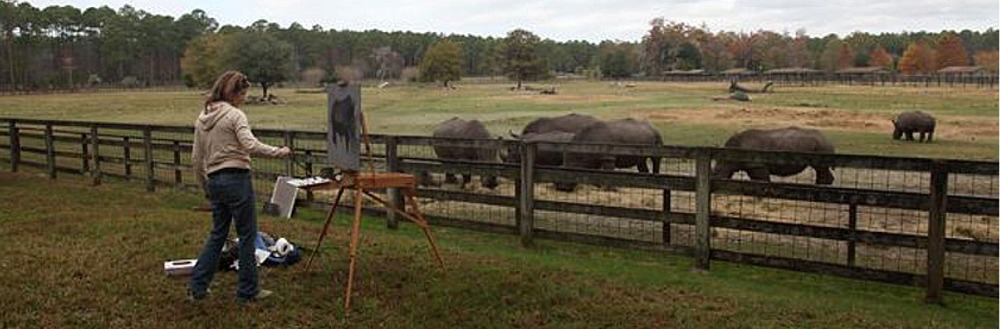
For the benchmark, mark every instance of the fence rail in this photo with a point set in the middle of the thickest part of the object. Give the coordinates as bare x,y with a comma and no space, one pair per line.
916,221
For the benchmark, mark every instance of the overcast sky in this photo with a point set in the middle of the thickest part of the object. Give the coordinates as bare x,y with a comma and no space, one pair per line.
590,20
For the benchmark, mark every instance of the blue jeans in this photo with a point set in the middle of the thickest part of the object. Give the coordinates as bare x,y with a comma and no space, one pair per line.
233,200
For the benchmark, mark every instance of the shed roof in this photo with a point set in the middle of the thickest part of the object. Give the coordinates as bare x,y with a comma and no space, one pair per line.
792,70
961,69
739,70
863,70
683,72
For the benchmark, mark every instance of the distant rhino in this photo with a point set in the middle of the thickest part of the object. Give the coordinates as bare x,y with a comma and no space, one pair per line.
542,158
570,123
549,129
913,122
459,128
791,139
626,131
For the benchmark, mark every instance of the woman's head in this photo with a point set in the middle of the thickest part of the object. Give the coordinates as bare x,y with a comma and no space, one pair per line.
230,87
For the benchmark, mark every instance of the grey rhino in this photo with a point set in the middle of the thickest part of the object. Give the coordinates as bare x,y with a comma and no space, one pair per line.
549,129
571,123
790,139
913,122
542,158
459,128
625,131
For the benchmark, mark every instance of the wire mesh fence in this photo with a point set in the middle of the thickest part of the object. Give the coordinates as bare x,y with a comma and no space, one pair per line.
874,217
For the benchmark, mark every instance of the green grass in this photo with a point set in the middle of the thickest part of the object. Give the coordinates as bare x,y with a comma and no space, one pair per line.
82,256
856,118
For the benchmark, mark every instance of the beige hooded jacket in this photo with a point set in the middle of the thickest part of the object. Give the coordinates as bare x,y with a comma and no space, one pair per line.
222,139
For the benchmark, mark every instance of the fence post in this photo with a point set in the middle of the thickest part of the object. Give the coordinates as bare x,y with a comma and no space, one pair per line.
178,177
84,154
147,145
15,145
703,206
309,172
95,142
526,201
852,224
936,231
666,217
290,143
127,156
50,151
395,198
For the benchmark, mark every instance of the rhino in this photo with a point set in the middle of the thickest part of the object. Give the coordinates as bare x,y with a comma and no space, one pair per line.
571,123
790,139
459,128
913,122
542,158
625,131
554,129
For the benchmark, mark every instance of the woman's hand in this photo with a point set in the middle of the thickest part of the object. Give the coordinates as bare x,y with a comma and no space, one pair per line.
284,152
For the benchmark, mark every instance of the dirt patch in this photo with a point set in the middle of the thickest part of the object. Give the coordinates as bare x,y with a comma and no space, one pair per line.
948,126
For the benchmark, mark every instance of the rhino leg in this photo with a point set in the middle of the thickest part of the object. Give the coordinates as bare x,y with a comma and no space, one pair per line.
656,164
425,179
466,178
824,176
930,135
642,166
759,174
909,135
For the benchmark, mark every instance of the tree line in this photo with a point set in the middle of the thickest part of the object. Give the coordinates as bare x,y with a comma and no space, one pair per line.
64,46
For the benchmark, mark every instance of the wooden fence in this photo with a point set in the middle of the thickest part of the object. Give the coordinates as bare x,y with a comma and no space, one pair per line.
913,221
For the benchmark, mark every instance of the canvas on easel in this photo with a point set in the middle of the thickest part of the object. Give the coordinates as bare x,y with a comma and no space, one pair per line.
343,135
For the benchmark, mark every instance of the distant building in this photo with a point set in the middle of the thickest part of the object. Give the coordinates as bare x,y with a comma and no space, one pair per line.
962,71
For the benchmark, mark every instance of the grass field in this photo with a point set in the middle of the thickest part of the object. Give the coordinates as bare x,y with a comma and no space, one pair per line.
82,256
855,118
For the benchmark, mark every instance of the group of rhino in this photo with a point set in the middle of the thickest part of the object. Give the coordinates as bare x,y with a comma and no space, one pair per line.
578,128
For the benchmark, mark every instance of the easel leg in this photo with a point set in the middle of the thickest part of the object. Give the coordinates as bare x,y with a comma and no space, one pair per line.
416,217
329,219
355,233
411,197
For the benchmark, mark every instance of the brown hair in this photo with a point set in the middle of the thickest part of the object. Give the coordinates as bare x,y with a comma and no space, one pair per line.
229,87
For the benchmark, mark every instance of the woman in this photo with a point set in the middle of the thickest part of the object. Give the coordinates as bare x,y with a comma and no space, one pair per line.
220,156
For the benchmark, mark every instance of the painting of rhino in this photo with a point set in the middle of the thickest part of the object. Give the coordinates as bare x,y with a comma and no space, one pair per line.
626,131
791,139
907,123
459,128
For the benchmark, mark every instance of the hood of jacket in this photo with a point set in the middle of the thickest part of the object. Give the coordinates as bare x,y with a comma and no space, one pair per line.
213,113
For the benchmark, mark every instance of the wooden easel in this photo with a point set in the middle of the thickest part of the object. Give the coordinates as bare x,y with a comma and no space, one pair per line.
363,184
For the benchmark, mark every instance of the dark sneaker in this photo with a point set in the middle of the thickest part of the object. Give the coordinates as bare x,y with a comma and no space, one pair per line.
194,297
263,293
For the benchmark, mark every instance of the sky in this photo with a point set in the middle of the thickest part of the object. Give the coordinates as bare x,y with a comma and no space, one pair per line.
588,20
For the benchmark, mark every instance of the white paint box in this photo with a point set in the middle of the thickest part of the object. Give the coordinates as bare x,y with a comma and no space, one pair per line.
179,267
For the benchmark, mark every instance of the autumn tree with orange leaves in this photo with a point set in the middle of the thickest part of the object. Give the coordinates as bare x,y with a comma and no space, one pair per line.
989,60
880,58
917,59
951,52
845,57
